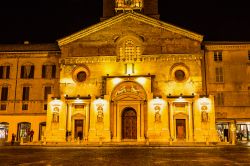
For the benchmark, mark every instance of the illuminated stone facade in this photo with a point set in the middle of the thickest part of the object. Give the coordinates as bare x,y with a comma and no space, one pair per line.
129,78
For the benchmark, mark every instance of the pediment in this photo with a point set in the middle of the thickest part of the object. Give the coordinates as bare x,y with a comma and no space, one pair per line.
127,20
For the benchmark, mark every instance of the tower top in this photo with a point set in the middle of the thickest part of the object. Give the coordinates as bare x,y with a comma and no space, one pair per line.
114,7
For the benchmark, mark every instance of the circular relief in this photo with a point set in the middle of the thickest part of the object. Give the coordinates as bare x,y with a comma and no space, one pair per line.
81,76
180,75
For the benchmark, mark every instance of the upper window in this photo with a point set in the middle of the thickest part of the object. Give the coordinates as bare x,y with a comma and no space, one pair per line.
4,94
217,55
27,71
129,51
219,74
249,55
47,91
4,72
220,98
26,92
49,71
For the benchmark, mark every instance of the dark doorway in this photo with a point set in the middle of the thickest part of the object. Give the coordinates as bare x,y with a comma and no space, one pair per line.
79,129
42,130
180,129
129,124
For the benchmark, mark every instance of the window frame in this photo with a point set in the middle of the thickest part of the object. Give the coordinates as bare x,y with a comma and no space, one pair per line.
218,56
31,74
219,75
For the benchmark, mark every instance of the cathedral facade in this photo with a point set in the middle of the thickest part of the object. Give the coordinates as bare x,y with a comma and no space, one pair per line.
129,78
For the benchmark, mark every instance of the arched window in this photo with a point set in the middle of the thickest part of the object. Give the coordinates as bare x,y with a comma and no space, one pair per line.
129,51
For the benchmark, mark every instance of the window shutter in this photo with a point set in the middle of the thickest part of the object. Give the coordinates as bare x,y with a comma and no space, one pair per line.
1,72
4,94
43,71
53,71
7,72
26,93
22,71
32,71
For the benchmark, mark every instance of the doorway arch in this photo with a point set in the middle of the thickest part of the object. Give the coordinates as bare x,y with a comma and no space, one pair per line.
129,123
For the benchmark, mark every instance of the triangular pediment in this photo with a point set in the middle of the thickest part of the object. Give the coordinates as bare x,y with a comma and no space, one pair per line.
122,17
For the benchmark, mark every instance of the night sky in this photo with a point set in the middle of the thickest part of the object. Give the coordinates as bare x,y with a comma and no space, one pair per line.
48,20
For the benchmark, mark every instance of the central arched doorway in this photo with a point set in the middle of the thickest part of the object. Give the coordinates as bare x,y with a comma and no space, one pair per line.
129,124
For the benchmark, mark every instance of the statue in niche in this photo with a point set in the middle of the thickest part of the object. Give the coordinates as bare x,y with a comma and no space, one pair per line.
55,115
204,113
100,113
157,113
204,116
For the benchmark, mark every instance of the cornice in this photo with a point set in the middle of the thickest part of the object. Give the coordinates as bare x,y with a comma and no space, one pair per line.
227,47
144,58
121,17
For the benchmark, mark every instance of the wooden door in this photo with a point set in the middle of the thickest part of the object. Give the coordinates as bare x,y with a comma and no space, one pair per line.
79,129
180,128
129,124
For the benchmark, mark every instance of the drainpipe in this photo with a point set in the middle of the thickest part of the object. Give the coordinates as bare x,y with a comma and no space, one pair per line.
16,83
205,68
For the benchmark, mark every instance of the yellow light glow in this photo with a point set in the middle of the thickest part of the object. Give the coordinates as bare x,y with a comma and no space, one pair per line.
100,102
78,101
66,81
130,68
116,81
56,103
141,80
157,102
204,104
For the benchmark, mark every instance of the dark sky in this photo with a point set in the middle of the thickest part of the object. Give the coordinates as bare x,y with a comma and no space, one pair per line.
49,20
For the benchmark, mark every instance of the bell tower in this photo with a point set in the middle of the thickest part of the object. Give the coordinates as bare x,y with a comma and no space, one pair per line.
114,7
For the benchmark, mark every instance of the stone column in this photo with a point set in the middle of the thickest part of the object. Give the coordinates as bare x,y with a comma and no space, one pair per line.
190,128
115,121
171,119
138,122
142,120
118,117
87,118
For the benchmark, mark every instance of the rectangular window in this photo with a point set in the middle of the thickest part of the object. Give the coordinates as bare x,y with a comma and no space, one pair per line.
26,91
220,98
25,107
49,71
219,74
4,72
217,55
27,71
3,107
4,94
249,55
47,91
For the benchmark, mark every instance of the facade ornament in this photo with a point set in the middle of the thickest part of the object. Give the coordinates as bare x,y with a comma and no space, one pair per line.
100,114
157,113
55,115
204,113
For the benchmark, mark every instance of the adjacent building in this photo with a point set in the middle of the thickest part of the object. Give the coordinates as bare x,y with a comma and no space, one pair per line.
130,77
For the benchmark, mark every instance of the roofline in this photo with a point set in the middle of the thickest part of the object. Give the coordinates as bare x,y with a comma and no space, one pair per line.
225,42
115,19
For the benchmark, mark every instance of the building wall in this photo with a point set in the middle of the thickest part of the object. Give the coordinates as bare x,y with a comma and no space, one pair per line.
36,113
